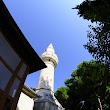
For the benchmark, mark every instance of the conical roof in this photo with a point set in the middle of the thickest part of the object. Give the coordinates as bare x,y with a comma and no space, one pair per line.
50,45
49,53
50,48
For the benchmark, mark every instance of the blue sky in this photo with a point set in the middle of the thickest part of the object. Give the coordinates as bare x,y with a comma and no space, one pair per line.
45,21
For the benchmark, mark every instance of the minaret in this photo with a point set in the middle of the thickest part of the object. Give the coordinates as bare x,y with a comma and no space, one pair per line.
46,80
47,100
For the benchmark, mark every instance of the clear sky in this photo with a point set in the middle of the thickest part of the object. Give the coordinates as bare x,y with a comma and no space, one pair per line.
45,21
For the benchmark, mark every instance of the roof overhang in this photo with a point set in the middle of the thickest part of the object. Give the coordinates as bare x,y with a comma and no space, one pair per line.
29,92
18,41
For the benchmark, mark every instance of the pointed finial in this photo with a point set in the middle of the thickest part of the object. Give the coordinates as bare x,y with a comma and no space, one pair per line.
50,48
50,45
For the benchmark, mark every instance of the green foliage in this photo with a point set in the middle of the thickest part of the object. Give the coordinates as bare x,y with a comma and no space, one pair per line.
95,10
34,89
87,82
61,95
99,43
99,37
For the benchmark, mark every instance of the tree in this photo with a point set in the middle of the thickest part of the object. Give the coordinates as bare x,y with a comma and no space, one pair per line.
61,95
95,10
99,38
99,43
85,86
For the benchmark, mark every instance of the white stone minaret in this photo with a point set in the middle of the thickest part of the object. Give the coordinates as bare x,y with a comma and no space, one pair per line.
46,80
47,100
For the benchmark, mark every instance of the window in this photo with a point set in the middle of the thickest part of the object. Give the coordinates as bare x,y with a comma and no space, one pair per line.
8,104
8,54
22,70
1,98
5,76
14,87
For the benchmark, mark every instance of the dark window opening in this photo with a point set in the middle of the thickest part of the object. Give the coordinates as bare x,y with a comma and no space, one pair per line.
8,104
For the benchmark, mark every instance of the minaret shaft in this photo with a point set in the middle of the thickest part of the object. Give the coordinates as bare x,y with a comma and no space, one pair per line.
46,79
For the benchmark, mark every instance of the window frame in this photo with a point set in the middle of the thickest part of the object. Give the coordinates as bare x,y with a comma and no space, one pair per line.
5,93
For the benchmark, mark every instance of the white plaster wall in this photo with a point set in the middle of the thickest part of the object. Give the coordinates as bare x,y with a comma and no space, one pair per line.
25,102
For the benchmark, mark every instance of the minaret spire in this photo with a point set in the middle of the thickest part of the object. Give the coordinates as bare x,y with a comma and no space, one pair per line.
50,48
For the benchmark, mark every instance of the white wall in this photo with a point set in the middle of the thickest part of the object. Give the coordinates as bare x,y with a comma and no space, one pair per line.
25,102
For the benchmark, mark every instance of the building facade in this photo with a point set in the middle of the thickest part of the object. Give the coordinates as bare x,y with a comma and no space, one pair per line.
17,60
26,99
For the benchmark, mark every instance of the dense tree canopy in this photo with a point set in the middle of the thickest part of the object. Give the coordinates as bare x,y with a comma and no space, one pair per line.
99,37
84,87
95,10
61,95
